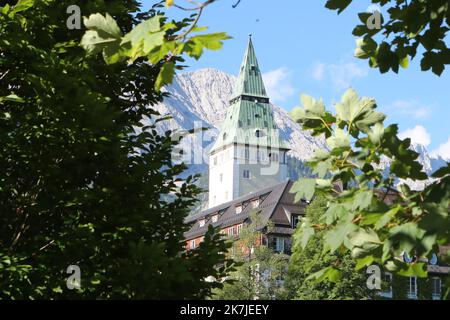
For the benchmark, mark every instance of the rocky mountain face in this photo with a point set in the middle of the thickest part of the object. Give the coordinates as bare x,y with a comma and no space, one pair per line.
201,98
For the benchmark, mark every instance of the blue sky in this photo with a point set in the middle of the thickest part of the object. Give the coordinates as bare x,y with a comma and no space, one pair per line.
302,47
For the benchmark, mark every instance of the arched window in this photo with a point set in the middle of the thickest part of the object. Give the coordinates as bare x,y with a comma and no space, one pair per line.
224,136
258,133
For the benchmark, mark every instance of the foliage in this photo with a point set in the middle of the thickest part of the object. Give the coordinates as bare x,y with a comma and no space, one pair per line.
413,27
83,182
260,271
366,214
306,261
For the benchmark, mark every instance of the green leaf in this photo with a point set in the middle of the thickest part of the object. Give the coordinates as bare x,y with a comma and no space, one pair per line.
360,112
340,139
362,200
329,273
166,75
23,5
211,41
413,269
12,98
404,63
364,262
387,217
145,37
304,188
336,236
339,5
376,133
103,35
305,233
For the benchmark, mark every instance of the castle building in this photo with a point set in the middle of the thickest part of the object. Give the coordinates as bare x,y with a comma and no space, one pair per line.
248,174
248,169
248,154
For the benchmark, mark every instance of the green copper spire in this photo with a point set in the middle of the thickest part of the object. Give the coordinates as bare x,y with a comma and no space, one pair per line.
249,81
249,119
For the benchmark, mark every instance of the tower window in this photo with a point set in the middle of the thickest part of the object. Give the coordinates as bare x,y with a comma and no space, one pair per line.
246,174
224,136
273,157
258,133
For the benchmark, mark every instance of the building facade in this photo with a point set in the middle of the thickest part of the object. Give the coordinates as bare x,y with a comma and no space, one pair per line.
249,153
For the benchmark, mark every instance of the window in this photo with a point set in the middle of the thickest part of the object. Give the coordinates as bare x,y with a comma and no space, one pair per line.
224,136
240,123
221,177
226,195
230,231
256,115
386,286
192,244
248,122
239,227
238,209
255,203
294,220
436,287
273,157
279,244
215,161
258,133
412,288
247,153
266,124
215,218
201,223
246,174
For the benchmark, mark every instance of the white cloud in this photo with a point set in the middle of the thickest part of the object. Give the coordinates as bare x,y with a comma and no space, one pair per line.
341,75
443,150
411,108
278,84
318,72
418,135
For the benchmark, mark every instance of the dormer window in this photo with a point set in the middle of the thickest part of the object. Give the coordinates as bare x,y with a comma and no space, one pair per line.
238,209
255,203
215,218
201,223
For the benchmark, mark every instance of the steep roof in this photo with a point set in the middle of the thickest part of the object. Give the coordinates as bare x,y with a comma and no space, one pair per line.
249,81
249,118
271,200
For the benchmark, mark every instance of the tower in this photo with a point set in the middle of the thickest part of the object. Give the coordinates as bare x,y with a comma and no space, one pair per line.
248,154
